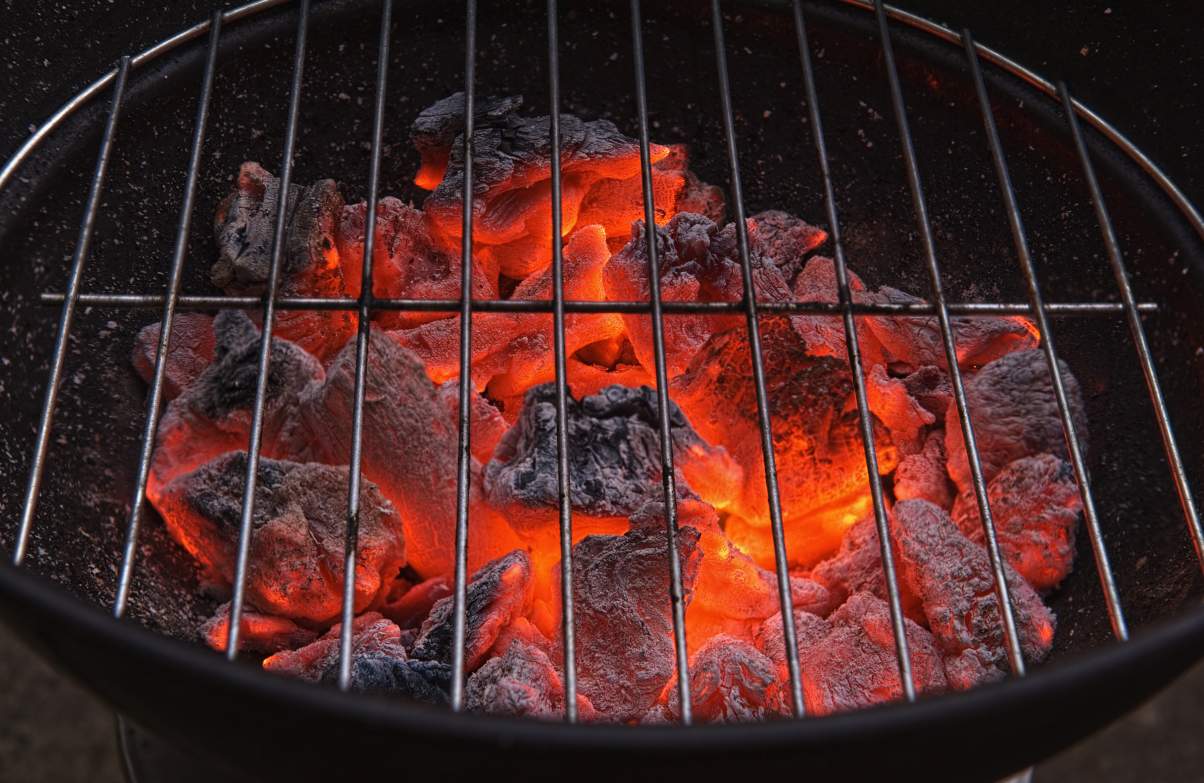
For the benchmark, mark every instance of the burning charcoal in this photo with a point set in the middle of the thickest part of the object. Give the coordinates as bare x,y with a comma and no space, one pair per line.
409,451
512,177
213,415
731,681
929,386
497,594
770,638
527,357
821,462
857,567
824,335
695,196
245,228
609,362
910,342
916,341
379,663
625,652
952,576
410,606
190,352
786,240
732,594
922,475
1015,414
614,204
486,423
1035,503
522,682
856,665
407,262
439,125
614,461
513,352
261,633
520,629
298,534
893,404
698,262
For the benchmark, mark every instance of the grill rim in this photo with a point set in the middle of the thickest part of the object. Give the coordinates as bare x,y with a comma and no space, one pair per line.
1168,187
1160,652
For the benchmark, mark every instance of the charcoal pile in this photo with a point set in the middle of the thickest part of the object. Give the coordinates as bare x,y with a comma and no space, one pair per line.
403,636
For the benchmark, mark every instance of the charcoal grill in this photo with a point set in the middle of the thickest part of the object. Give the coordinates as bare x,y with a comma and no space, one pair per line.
190,696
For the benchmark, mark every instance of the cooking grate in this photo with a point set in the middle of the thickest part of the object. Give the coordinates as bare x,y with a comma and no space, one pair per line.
845,308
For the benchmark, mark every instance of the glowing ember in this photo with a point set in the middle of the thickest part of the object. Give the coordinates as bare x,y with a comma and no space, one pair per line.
625,654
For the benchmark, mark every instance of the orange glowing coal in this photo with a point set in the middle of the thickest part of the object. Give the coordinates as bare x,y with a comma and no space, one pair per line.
620,536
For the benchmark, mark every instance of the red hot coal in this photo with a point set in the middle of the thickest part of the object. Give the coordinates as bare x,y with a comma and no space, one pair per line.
625,654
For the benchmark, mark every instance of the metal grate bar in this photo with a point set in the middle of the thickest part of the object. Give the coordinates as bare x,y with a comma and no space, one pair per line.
562,424
881,521
668,476
460,588
1129,301
265,341
67,316
1002,591
971,309
1027,267
155,394
754,339
362,335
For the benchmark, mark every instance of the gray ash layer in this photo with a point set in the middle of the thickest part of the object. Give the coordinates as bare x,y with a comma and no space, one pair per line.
614,453
245,228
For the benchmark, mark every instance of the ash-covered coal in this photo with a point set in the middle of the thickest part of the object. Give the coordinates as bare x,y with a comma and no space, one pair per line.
1035,504
624,625
613,452
212,416
379,663
785,239
298,534
189,352
856,567
511,352
245,229
952,577
908,342
261,633
409,451
408,604
731,681
407,262
1015,414
497,594
922,475
521,682
512,177
855,664
698,261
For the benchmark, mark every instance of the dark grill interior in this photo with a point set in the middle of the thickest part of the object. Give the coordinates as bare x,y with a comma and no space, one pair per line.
83,506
